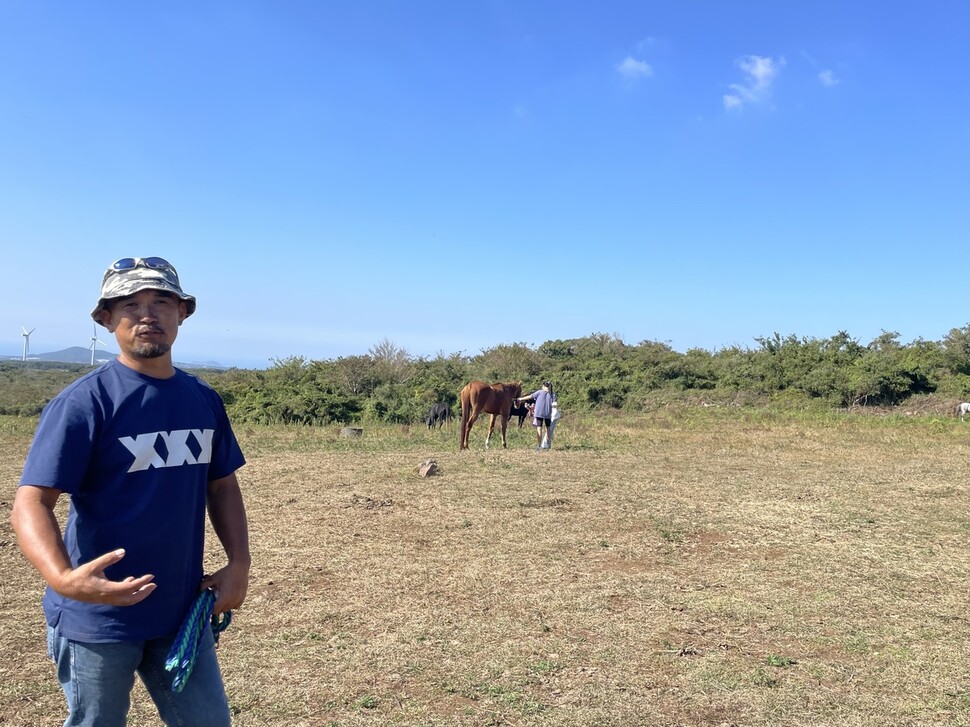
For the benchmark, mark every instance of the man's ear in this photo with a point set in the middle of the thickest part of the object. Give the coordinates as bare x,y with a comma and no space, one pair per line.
104,316
183,312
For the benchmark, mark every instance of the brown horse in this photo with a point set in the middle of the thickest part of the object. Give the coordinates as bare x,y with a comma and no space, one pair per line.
496,399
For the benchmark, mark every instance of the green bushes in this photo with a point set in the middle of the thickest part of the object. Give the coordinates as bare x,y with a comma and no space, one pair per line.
599,371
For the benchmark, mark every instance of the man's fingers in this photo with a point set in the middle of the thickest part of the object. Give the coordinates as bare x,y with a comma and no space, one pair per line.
140,582
129,591
141,594
108,559
89,583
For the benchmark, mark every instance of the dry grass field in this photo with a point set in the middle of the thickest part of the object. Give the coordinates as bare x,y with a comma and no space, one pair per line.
685,567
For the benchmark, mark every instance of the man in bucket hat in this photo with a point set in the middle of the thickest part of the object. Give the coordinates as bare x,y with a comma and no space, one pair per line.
143,450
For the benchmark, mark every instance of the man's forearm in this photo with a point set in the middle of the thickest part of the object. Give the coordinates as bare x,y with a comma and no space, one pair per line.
227,512
39,534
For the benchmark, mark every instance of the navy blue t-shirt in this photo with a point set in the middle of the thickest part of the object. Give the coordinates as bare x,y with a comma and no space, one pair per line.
135,454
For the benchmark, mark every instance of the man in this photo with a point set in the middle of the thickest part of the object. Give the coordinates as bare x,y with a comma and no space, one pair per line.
143,450
543,399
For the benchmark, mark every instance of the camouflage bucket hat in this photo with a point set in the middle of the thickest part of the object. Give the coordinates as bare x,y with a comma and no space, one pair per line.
129,275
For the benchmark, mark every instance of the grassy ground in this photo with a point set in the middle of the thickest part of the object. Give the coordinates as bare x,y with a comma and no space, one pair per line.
691,567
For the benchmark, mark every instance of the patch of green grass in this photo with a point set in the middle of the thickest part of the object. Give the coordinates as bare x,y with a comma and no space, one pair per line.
899,654
413,667
368,701
18,426
545,667
858,644
668,531
510,697
718,677
671,535
780,661
762,678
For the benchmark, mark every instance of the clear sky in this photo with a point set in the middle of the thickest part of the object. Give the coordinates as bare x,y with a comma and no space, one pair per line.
450,176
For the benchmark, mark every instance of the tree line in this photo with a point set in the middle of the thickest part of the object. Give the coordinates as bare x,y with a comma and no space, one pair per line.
600,371
594,372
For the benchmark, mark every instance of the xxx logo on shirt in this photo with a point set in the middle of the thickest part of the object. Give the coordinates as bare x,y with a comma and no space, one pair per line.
177,450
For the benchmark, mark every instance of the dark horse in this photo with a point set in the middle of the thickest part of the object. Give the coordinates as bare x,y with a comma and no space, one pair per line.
496,399
522,411
439,414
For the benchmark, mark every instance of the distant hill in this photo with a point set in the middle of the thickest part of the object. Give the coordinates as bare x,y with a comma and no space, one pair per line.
75,354
81,355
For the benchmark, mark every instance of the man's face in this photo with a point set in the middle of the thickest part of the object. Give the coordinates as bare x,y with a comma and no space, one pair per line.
145,324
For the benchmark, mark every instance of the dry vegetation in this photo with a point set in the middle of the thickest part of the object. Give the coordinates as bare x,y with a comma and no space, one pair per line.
687,568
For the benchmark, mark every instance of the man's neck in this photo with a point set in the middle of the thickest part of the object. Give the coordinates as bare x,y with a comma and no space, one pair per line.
160,367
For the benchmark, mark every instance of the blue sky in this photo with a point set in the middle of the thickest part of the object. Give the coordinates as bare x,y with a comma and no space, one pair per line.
453,176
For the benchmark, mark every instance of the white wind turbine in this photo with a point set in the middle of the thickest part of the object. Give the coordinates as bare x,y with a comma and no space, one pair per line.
94,342
26,335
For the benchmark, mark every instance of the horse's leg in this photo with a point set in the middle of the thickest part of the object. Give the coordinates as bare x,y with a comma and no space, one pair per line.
465,416
471,420
491,428
505,423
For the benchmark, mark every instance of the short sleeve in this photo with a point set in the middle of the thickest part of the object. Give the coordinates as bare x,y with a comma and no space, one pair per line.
62,448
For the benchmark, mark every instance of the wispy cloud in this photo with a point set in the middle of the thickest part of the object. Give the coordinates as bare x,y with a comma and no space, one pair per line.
633,68
646,44
827,78
759,75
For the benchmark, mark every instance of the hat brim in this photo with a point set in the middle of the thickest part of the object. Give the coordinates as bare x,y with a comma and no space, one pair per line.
135,286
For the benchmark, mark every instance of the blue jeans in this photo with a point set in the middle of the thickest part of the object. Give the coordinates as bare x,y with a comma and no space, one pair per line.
97,680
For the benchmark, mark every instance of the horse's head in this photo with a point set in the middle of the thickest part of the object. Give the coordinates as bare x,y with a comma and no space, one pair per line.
515,390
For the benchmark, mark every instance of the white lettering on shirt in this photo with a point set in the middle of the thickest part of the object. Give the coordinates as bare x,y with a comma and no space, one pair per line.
204,438
177,444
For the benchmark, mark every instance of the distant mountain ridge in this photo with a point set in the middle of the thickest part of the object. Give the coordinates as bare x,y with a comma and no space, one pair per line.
75,354
81,355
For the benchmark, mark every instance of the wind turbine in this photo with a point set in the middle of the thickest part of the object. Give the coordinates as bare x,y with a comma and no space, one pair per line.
94,342
26,335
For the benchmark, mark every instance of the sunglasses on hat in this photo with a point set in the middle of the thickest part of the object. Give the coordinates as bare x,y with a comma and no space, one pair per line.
130,263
